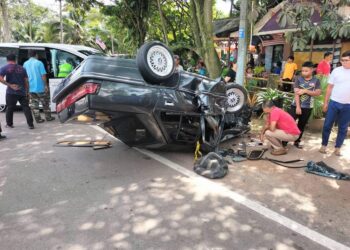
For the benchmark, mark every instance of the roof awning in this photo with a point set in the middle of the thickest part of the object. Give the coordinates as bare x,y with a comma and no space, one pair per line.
224,27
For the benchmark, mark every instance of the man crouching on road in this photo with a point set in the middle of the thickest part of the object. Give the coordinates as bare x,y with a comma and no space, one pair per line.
279,126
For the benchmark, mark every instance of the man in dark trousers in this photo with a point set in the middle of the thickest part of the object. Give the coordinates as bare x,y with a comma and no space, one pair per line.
15,78
337,104
38,87
306,87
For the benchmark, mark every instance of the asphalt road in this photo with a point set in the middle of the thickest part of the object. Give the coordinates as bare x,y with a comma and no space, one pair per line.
124,198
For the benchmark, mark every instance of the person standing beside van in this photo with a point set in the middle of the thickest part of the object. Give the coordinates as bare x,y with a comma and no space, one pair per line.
38,87
17,90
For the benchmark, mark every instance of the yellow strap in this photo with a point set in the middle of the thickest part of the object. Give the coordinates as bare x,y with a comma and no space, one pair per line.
197,152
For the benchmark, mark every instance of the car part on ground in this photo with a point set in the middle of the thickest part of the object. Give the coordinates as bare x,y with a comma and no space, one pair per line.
322,169
152,106
211,166
97,144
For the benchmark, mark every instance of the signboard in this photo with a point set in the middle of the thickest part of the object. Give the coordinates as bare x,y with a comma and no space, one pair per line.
241,33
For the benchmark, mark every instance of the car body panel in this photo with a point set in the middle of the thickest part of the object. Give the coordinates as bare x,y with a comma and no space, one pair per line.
141,113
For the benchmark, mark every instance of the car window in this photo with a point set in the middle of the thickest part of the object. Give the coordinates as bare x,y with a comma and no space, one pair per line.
60,61
4,51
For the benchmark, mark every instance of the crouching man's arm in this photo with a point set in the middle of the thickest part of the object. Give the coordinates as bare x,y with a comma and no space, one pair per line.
267,126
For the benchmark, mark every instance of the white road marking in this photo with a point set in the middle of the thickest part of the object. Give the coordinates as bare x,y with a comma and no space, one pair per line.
253,205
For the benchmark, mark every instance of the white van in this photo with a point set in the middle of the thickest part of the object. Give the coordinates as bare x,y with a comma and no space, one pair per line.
52,55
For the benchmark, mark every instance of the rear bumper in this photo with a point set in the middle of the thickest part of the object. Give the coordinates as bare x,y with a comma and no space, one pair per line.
74,110
134,129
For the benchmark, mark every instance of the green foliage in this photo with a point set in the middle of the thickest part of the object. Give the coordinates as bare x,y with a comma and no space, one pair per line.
272,95
299,14
258,70
133,15
317,110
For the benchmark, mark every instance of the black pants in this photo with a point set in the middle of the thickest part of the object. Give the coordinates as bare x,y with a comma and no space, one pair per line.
11,101
285,86
302,119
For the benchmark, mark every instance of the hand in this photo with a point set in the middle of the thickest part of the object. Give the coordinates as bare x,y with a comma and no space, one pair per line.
325,107
46,89
14,86
298,111
301,91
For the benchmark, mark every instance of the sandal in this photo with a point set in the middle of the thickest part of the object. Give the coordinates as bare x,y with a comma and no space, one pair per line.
322,150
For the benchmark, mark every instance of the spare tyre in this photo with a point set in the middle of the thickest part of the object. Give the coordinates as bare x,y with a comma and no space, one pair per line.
155,62
236,98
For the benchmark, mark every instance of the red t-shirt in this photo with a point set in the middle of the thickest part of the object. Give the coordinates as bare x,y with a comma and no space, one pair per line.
284,121
324,68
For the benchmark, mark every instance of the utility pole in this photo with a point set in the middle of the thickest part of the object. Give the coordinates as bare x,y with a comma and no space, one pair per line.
112,40
242,43
61,22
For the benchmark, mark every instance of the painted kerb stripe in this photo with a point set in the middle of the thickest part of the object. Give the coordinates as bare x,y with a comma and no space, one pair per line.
253,205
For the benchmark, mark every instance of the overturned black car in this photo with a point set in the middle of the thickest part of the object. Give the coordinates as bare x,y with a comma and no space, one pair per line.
146,102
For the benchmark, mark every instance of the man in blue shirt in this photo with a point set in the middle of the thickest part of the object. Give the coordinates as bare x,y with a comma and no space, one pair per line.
17,90
38,87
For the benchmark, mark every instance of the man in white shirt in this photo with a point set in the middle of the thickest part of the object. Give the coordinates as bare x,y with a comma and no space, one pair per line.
338,108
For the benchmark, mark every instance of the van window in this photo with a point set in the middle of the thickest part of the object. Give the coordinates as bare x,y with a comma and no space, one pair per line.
63,62
23,55
92,52
4,51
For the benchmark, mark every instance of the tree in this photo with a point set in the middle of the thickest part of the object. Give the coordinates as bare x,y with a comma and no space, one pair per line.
202,28
332,24
133,15
5,20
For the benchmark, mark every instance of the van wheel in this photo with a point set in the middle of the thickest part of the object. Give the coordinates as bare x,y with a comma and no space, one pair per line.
155,62
236,98
3,107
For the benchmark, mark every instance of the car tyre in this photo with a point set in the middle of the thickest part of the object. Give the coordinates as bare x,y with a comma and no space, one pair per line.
155,62
3,107
236,98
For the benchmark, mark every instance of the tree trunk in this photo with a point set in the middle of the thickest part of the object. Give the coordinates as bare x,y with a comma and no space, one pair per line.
5,18
202,28
165,33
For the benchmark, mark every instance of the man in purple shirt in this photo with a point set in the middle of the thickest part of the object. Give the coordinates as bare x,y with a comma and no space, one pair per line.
15,78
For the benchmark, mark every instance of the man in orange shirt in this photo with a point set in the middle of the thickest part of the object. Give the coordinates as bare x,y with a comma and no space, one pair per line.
324,67
288,73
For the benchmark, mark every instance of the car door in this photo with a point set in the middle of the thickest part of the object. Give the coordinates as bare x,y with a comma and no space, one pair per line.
57,57
4,51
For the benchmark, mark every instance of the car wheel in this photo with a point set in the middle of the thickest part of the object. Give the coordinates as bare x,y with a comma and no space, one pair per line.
236,98
3,107
155,62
